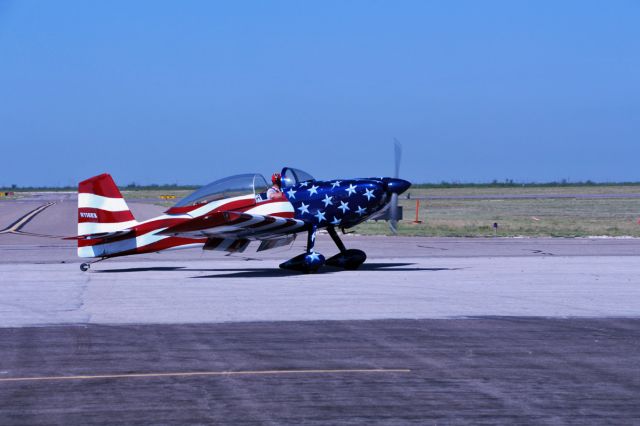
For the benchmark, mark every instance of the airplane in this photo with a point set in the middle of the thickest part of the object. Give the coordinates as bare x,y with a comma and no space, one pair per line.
230,213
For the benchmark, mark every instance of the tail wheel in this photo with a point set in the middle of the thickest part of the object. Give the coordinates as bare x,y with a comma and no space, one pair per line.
84,267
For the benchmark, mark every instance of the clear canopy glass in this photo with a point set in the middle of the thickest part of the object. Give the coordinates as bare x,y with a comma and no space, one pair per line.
291,177
232,186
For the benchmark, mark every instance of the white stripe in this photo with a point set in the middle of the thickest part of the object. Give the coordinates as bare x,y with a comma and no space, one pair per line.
167,216
100,250
271,208
86,228
215,204
99,202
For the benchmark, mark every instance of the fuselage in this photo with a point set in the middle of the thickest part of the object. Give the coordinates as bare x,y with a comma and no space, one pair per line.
336,203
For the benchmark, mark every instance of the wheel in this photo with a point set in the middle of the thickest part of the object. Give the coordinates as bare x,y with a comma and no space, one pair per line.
348,259
84,267
305,262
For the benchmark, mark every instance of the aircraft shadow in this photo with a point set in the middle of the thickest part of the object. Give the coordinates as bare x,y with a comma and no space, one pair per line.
149,269
258,273
272,272
400,267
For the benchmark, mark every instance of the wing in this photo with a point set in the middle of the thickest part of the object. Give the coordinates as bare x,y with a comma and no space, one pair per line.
105,236
238,245
236,225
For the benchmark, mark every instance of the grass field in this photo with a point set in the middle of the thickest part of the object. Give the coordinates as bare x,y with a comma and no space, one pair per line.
560,217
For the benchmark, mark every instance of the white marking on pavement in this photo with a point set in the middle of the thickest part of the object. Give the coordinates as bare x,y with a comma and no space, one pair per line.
206,373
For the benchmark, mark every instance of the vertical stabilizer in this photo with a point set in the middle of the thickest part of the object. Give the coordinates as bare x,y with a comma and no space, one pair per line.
101,207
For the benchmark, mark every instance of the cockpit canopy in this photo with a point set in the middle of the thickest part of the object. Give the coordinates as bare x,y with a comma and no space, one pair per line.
252,184
232,186
291,177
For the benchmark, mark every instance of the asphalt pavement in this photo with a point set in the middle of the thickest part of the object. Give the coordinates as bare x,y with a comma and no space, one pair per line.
428,331
475,371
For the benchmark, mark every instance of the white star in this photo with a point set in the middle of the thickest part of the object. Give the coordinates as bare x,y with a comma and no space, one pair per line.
336,221
314,256
369,194
320,216
361,211
291,193
304,208
335,183
304,184
313,190
351,189
327,200
344,206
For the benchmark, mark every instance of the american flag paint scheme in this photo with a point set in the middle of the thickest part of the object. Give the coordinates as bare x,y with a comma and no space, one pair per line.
229,214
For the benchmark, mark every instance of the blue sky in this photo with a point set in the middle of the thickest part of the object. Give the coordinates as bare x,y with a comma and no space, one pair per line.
191,91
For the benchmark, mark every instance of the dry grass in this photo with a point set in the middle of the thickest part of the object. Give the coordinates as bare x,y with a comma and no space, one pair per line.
608,189
541,217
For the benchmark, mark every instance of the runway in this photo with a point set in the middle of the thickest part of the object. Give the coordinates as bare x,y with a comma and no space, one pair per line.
499,331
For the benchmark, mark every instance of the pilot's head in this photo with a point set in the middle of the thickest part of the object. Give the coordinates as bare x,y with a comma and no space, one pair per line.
275,179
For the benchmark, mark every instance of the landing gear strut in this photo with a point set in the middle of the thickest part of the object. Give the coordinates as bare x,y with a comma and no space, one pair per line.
309,261
347,258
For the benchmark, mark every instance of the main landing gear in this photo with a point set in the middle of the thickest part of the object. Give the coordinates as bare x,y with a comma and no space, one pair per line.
311,261
347,258
308,262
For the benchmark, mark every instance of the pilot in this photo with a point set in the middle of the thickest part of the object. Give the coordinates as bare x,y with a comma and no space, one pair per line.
275,192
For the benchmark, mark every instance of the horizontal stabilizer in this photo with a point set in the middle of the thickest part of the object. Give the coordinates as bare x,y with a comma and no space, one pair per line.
105,236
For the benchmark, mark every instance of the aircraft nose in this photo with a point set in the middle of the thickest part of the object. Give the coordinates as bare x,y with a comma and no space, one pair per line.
396,186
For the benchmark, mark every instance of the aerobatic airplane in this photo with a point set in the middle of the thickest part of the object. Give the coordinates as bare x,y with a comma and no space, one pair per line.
228,214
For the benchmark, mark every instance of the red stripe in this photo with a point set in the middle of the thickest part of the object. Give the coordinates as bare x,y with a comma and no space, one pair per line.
238,205
182,210
100,185
164,244
286,215
88,214
154,225
210,220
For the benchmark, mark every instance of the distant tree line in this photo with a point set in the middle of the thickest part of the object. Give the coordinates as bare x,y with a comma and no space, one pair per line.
130,187
507,183
510,183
